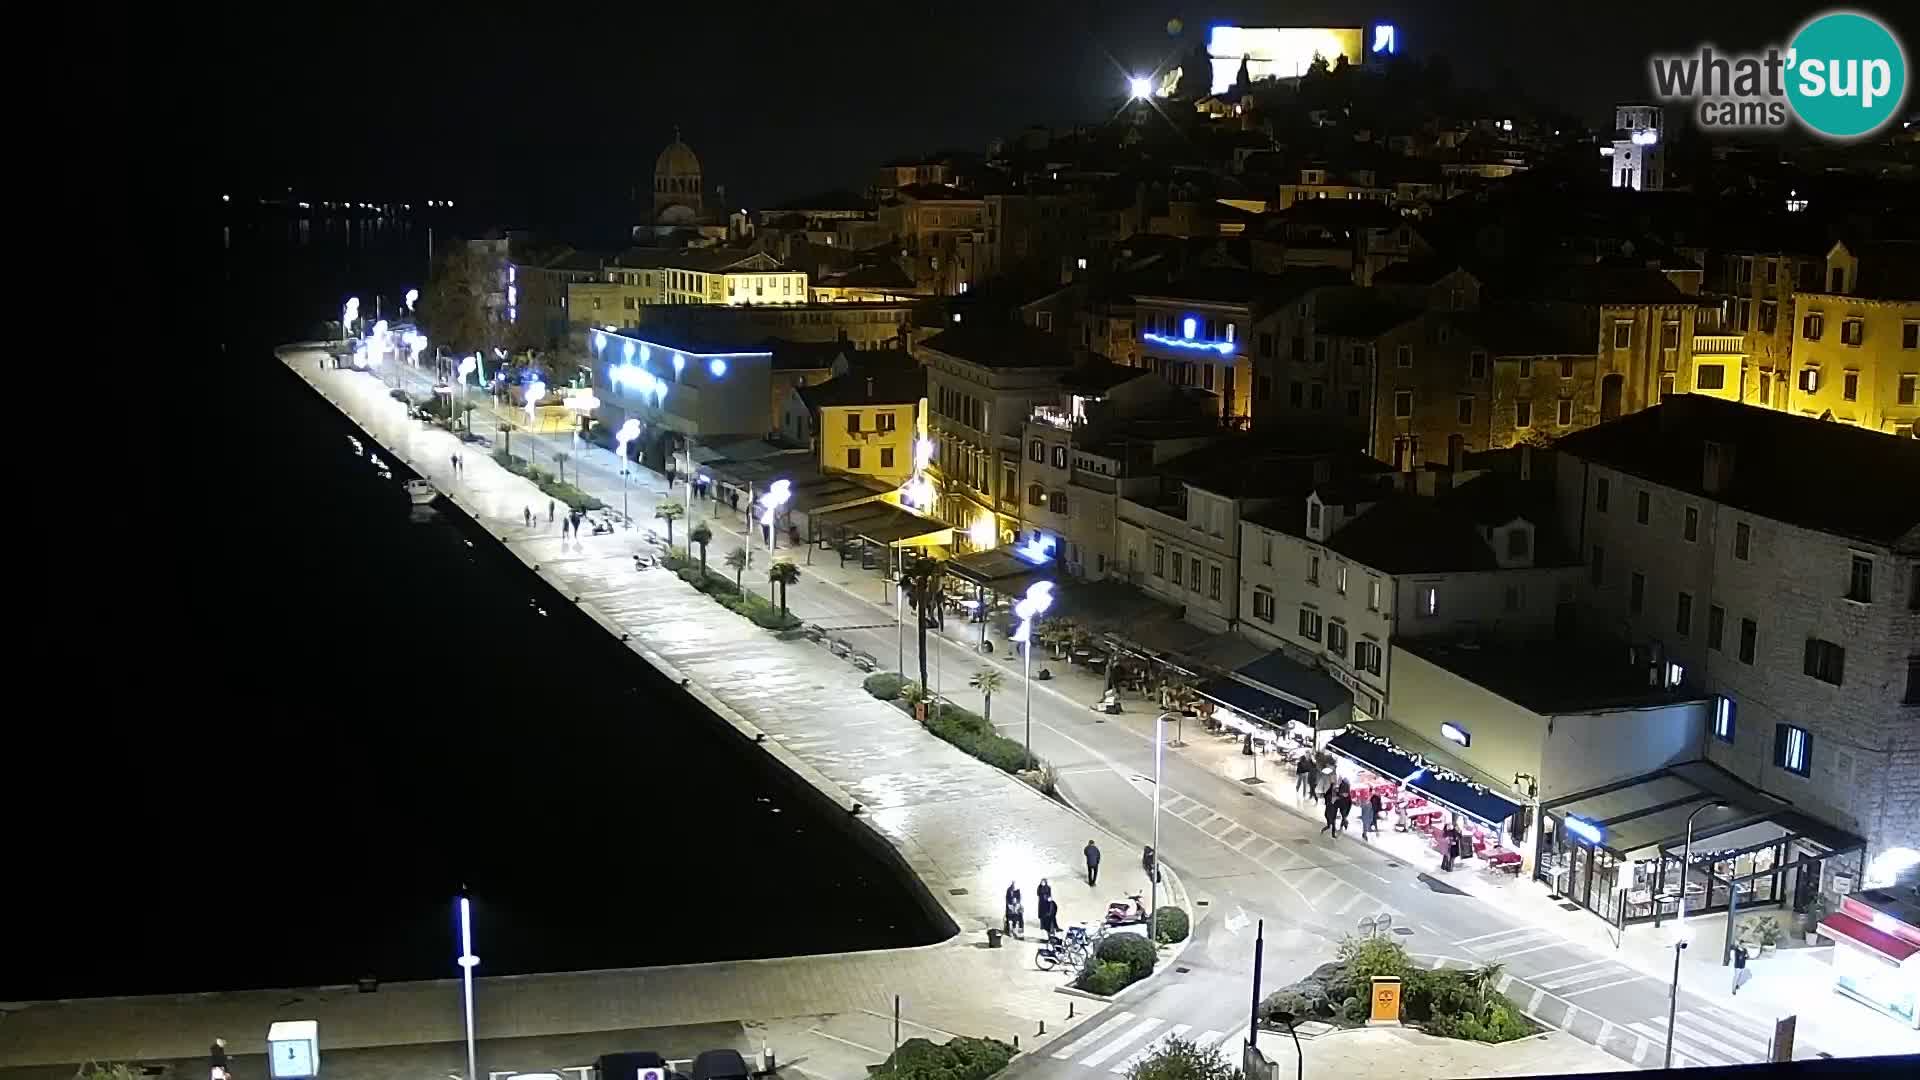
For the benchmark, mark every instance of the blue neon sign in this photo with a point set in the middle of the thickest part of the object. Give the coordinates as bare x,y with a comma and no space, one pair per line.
1224,348
1584,829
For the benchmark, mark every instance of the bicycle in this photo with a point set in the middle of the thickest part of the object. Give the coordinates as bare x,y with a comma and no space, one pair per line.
1074,949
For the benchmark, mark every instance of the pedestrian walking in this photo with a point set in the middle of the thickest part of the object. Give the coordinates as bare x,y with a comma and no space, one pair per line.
453,462
526,513
1449,847
1369,817
217,1058
1313,777
1093,863
1302,769
1043,894
1332,812
549,511
1344,802
1016,918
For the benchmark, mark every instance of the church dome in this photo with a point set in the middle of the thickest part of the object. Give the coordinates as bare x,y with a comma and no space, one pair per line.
678,159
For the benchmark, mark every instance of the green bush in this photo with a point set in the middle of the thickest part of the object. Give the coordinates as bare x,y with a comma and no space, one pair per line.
728,595
972,734
1133,950
544,480
1293,1002
1181,1059
1366,957
1104,977
1171,924
884,685
962,1058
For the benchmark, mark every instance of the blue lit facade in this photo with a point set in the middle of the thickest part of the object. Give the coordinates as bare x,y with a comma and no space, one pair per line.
669,387
1201,345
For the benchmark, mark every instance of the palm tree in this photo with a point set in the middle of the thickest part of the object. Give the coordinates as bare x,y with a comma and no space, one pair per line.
923,576
560,460
988,681
669,512
783,574
700,535
736,561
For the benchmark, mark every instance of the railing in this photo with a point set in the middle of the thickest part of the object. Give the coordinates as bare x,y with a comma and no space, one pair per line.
1052,417
1719,344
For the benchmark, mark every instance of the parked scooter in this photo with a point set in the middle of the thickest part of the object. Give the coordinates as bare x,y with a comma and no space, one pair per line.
1121,913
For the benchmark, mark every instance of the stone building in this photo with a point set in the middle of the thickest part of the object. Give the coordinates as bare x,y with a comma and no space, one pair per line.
1856,356
1769,560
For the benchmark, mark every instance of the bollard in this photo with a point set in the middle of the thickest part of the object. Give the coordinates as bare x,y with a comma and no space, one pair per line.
1016,1044
1042,1031
766,1058
1069,1008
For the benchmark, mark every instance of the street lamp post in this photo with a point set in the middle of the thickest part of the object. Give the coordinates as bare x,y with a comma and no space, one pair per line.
347,315
468,962
1680,946
1038,598
467,364
628,432
536,390
771,501
1153,879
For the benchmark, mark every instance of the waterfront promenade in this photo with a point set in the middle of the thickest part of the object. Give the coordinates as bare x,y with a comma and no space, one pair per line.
964,828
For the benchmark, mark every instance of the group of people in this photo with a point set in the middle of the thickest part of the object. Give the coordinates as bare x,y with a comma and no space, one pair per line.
1338,800
1016,921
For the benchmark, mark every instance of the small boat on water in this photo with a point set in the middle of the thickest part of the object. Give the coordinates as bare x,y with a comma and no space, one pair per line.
422,492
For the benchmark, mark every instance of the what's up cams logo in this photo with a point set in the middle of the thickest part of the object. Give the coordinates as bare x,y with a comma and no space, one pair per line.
1844,76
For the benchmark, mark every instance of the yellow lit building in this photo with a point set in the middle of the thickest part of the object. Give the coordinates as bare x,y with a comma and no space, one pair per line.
866,421
1856,348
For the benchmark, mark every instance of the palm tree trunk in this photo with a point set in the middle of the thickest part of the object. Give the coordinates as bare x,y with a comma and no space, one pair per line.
989,707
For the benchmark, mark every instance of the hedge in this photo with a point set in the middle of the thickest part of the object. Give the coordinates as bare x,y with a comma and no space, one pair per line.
1171,924
970,732
962,1058
884,685
724,592
1104,977
544,480
1133,950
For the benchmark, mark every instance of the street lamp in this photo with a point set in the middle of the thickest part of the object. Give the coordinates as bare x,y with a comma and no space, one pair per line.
468,962
467,364
1038,599
628,432
771,501
1680,946
1140,88
1153,879
347,315
412,295
1299,1059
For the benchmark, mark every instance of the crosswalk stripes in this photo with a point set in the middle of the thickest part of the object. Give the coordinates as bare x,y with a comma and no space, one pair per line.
1124,1033
1148,1050
1706,1037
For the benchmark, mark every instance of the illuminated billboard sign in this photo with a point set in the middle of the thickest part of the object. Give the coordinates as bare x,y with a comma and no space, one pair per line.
1278,52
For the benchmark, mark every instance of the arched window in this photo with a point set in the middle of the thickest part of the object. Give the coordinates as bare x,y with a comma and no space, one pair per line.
1057,502
1036,495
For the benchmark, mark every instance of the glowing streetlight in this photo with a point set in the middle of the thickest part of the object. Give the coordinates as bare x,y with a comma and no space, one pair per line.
628,432
467,365
1140,87
771,501
535,391
468,962
1034,604
412,295
347,316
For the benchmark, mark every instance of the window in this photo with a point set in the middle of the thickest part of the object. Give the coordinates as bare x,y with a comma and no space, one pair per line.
1263,605
1337,639
1512,598
1860,580
1683,614
853,457
1723,719
1179,563
1373,594
1213,583
1310,624
1037,451
1769,316
1317,396
1566,367
1666,387
1602,487
1637,592
1565,412
1266,344
1057,502
1599,575
1366,656
1622,334
1792,749
1263,388
884,421
853,423
1810,379
1159,560
1353,403
1036,495
1059,457
1669,335
1319,350
1403,355
1523,414
1716,626
1477,364
1296,393
1710,377
1426,603
1526,367
1909,391
1010,483
1466,410
1850,386
1749,640
886,457
1690,525
1193,579
1742,541
1813,326
1313,570
1266,549
1402,404
1340,580
1516,543
1851,331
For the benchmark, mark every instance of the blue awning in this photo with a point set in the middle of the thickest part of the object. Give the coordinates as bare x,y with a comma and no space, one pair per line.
1252,703
1466,798
1388,761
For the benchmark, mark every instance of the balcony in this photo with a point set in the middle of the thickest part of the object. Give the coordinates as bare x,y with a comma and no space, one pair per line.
1719,344
1053,417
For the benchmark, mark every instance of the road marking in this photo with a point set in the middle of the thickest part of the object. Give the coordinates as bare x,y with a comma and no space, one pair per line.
1500,933
1606,1028
1639,1048
911,1023
1533,1003
1606,970
1114,1047
1603,986
1204,826
849,1042
1206,1039
1231,829
1683,1052
1534,948
1563,970
1271,848
1151,1048
1330,890
1091,1037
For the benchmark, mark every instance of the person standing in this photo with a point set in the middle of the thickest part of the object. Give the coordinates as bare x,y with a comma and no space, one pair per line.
1449,847
1370,816
1332,810
526,514
1301,770
1092,853
549,511
1344,801
217,1057
1016,918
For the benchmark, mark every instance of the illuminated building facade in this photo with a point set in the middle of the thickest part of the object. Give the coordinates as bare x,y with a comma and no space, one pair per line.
1856,349
867,420
1639,157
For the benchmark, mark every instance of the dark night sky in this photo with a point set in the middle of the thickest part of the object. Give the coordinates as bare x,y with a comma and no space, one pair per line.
545,103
